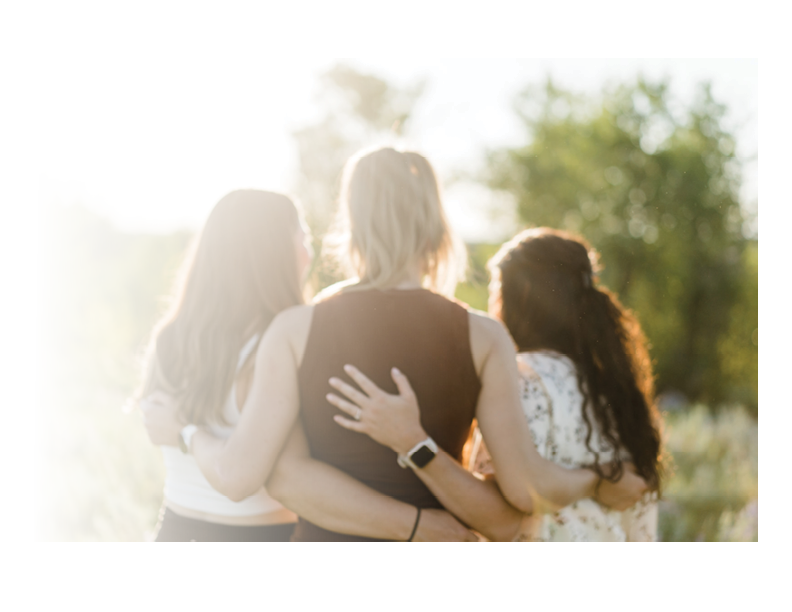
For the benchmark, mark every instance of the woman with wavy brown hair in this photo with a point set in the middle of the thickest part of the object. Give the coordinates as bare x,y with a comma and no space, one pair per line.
586,386
587,383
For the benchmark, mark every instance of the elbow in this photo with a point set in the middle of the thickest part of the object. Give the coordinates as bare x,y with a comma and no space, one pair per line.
238,492
521,500
234,488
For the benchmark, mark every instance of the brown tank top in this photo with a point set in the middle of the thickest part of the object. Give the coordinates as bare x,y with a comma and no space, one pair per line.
424,335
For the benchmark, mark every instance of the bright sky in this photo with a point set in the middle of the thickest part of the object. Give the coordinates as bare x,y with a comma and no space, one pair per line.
151,129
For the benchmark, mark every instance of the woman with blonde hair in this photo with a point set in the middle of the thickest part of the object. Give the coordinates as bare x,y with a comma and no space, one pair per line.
391,316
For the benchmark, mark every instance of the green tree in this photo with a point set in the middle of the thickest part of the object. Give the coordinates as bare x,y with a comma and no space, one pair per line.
655,190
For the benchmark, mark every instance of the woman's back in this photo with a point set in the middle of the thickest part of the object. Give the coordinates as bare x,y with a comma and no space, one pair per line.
553,404
423,334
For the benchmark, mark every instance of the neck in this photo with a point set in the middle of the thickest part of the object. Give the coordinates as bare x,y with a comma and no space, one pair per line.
412,279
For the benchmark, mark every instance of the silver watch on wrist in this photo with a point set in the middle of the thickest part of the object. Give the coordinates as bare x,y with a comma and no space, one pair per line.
419,455
185,437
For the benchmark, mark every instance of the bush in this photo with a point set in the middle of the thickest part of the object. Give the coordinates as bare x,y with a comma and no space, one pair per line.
712,494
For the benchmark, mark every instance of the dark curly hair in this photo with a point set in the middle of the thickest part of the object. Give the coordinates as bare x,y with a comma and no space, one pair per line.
545,292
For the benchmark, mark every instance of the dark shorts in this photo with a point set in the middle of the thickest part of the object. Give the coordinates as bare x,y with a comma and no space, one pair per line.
176,528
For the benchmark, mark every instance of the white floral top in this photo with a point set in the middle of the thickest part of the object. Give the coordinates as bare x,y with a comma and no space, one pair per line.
553,405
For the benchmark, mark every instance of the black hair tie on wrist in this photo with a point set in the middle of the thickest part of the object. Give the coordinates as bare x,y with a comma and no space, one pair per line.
415,527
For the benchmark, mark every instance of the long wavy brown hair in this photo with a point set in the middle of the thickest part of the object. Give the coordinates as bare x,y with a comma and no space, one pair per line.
545,291
239,274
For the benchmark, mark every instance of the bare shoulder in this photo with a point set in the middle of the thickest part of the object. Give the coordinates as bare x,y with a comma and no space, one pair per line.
486,334
483,327
290,328
293,318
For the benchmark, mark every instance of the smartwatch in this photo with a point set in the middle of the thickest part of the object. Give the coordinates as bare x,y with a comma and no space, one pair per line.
419,455
185,437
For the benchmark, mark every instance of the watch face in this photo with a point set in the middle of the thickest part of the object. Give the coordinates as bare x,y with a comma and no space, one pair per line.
422,456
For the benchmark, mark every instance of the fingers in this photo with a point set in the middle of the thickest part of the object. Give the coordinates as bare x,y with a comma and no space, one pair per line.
348,407
471,537
402,384
349,424
348,390
362,380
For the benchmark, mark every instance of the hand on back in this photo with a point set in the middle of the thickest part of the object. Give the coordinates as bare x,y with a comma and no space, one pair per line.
392,420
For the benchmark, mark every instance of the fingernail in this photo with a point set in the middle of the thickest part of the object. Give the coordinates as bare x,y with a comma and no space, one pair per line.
396,371
329,397
334,381
347,368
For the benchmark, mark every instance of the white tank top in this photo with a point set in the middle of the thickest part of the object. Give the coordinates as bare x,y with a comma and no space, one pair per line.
187,487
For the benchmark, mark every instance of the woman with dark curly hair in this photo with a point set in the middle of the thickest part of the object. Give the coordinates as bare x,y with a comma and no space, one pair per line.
586,386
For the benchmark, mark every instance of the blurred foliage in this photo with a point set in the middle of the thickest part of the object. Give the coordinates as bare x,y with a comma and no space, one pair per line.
99,478
654,189
357,110
98,289
474,291
713,491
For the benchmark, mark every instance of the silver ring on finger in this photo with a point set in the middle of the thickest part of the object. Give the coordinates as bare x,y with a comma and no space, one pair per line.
358,414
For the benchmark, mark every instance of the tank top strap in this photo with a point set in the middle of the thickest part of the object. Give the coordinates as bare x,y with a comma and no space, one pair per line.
247,349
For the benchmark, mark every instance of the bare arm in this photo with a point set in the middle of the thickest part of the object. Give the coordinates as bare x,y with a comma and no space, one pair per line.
514,455
239,465
526,480
335,501
522,473
477,503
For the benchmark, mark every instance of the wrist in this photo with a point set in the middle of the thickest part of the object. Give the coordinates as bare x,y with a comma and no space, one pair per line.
409,441
593,481
420,455
415,525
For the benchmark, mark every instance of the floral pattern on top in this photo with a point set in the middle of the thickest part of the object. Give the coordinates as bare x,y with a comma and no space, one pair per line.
553,406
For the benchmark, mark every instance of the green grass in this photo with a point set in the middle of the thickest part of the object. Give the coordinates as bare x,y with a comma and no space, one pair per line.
100,479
